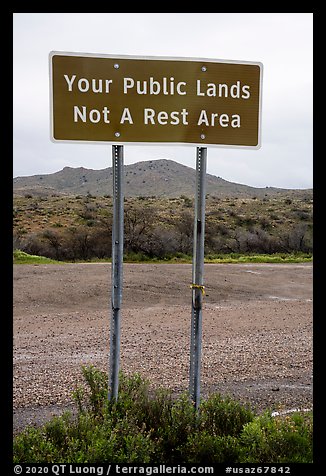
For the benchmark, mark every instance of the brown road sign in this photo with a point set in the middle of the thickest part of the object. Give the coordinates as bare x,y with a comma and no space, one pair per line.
155,100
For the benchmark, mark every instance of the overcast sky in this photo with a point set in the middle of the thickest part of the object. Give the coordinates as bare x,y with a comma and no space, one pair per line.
283,42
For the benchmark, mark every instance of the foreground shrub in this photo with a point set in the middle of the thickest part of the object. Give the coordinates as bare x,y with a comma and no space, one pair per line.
281,439
205,448
150,426
224,416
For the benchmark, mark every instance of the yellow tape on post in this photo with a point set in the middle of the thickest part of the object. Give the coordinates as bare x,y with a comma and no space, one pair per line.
198,286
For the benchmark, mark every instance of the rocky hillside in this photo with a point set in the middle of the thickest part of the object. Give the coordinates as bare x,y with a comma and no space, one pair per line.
161,178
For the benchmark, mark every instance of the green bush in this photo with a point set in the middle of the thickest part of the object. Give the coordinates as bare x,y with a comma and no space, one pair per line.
32,446
279,440
20,257
224,416
150,426
205,448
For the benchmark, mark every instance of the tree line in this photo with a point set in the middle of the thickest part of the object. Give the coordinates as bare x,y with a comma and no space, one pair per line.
149,233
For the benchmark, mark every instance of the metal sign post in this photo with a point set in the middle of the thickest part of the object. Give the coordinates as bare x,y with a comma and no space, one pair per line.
197,277
117,261
155,100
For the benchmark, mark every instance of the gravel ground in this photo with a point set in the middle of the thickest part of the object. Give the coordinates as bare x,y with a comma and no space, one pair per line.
257,332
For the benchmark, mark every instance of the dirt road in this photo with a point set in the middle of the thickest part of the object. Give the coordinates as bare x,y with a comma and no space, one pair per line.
257,331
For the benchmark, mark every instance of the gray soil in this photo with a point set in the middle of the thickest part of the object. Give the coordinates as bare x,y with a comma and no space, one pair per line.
257,332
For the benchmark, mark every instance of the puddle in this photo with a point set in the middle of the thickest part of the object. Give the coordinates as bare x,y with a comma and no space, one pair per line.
291,410
283,298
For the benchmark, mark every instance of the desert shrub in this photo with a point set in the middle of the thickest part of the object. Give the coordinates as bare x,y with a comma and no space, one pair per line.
20,257
205,448
158,228
279,440
224,416
150,426
32,446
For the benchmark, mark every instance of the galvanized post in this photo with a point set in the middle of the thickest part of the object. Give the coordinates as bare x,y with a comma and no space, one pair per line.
197,277
116,270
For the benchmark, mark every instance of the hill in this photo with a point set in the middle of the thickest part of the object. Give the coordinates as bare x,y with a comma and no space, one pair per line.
161,178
